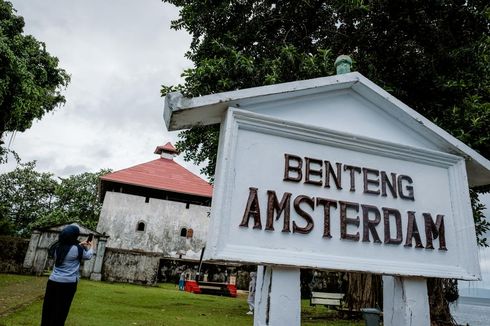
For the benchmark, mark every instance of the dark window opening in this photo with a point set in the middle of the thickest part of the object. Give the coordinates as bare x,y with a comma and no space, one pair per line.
183,232
187,205
141,226
147,199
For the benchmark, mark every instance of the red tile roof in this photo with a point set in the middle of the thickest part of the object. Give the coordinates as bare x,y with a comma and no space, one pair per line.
163,174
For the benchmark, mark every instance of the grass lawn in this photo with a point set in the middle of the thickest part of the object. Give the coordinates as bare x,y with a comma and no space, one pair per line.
106,304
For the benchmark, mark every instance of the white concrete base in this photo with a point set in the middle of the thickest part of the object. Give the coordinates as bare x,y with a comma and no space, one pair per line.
277,297
405,301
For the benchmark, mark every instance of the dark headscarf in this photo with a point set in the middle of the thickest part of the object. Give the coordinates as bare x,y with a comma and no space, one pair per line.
67,238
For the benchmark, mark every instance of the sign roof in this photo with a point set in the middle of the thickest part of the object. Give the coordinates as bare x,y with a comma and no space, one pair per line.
181,112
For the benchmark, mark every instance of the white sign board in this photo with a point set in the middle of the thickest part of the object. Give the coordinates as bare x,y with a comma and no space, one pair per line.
292,194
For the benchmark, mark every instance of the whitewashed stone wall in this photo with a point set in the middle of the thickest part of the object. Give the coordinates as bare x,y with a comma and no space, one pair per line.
163,220
131,267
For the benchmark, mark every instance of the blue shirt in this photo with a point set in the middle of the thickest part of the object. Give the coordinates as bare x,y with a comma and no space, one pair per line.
69,270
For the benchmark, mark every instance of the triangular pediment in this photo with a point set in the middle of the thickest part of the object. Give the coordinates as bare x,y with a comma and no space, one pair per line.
348,103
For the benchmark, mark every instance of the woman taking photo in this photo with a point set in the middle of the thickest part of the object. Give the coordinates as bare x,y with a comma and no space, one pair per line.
68,252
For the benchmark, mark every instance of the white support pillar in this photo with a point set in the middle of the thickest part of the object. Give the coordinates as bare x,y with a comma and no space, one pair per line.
405,301
99,259
277,297
31,250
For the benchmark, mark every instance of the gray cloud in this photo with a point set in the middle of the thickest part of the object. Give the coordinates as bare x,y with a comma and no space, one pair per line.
118,53
73,169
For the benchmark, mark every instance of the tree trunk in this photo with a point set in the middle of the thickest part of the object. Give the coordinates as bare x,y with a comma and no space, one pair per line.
441,292
363,291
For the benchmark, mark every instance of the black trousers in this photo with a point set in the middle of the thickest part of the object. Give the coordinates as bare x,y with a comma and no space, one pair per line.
57,302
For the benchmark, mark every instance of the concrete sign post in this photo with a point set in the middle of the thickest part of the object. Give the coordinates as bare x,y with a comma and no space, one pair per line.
334,173
405,301
277,298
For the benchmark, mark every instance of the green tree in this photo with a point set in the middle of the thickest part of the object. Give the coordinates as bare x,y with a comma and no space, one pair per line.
25,196
433,55
30,79
76,200
31,199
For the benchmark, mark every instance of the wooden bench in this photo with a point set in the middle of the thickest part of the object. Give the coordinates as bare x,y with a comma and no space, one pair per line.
327,299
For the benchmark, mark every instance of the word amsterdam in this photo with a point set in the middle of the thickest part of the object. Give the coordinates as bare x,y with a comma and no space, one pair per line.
323,173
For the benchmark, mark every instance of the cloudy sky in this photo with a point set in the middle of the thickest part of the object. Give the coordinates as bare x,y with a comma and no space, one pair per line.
118,53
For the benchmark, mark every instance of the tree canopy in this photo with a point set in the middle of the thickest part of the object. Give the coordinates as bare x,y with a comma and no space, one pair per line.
30,199
25,196
30,79
433,55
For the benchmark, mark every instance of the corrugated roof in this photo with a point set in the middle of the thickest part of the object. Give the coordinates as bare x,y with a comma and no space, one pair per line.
162,174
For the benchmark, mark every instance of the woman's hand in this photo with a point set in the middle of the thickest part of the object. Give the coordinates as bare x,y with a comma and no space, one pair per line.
87,245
